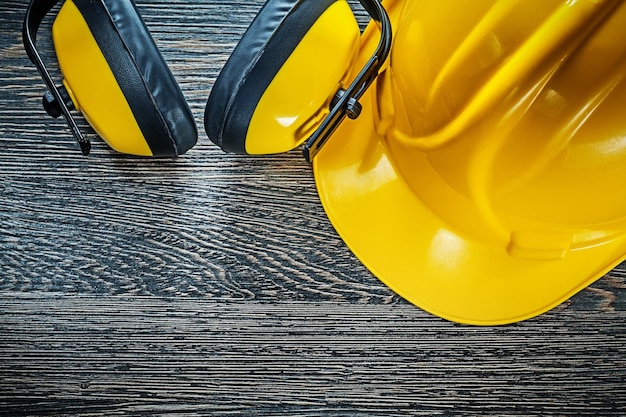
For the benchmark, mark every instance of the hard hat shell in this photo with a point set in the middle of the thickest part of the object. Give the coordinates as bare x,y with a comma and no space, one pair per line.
485,180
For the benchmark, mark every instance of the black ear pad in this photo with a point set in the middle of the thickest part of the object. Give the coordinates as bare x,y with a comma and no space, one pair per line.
271,38
147,83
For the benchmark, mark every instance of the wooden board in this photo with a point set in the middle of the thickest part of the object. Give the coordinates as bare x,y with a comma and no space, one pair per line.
214,284
144,355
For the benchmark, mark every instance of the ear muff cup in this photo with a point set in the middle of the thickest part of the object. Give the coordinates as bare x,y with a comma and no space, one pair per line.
148,86
271,39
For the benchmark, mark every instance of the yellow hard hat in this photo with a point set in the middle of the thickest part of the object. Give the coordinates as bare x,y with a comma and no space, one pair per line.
485,180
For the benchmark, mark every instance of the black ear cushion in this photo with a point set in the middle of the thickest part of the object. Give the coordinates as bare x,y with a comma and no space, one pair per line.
150,89
271,38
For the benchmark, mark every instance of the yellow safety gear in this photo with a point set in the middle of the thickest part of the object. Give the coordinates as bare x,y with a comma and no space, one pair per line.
485,180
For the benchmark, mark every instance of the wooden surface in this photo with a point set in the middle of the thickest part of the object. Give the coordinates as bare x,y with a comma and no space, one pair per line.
215,285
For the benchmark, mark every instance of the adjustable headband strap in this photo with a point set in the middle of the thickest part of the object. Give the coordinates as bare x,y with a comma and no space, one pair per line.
35,13
346,102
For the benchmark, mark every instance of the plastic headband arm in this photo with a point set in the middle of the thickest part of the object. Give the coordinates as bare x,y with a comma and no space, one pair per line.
346,102
35,13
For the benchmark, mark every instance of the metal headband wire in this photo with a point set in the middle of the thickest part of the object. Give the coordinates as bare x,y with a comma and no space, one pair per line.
35,13
347,101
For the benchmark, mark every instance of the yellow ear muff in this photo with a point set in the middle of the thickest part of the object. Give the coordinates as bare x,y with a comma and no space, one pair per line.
279,82
115,75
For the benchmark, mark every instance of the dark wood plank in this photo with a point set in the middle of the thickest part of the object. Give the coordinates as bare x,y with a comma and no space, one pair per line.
109,355
214,284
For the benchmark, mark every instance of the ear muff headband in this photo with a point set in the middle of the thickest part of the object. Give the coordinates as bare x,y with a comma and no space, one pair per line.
157,114
35,13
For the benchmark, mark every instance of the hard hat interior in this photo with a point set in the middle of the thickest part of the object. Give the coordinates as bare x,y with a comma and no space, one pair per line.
514,112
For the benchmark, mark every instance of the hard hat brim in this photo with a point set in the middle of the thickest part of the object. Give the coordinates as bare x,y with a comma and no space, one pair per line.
423,259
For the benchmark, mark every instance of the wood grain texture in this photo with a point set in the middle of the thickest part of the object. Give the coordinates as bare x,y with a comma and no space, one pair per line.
214,283
195,357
